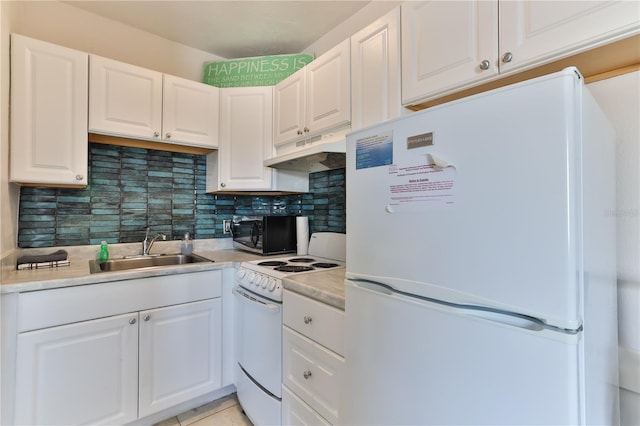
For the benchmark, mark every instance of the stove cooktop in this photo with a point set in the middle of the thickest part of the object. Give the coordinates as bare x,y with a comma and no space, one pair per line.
264,276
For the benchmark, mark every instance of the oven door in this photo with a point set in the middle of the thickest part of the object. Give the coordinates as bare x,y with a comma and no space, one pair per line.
259,339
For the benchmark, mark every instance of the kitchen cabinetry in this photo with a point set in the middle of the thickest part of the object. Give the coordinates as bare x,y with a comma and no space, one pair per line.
486,40
115,352
48,114
375,72
129,101
314,99
246,134
312,360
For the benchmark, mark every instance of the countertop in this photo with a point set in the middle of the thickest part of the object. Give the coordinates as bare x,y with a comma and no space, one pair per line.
324,286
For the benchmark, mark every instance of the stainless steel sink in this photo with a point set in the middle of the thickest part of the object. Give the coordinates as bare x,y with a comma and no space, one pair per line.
138,262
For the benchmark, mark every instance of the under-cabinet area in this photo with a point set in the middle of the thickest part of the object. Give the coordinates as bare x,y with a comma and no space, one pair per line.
114,352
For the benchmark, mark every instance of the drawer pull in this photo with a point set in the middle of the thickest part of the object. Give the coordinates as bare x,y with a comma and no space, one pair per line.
306,374
307,319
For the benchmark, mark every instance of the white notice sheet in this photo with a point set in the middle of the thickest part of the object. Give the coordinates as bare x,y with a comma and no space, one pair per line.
420,187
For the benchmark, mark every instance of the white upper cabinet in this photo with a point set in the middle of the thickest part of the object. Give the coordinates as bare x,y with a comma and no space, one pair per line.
190,112
49,143
448,46
129,101
289,107
375,72
533,32
124,99
315,98
245,140
328,102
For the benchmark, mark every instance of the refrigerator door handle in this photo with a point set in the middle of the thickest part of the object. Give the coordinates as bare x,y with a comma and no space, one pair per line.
491,314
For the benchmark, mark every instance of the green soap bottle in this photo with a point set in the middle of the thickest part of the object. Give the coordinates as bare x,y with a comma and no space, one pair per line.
104,251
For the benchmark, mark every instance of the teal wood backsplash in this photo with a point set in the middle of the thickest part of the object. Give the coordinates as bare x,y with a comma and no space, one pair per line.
132,188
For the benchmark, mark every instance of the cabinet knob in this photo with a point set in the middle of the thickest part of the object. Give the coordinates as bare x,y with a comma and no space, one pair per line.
168,136
79,177
132,321
299,132
306,130
307,319
306,374
222,184
156,134
146,317
507,57
484,65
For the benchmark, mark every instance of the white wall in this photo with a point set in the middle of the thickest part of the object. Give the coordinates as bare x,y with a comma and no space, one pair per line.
619,97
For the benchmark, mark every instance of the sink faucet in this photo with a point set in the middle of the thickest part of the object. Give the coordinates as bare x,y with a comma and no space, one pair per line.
146,244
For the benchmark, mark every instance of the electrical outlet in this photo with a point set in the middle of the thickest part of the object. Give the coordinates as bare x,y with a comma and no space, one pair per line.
226,225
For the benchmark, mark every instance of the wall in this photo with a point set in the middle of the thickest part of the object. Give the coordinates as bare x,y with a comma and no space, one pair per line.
132,188
619,97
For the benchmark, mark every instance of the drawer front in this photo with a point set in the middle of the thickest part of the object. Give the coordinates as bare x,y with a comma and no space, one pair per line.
313,373
296,413
318,321
47,308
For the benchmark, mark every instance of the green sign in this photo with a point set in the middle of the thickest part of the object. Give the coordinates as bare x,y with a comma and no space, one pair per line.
256,71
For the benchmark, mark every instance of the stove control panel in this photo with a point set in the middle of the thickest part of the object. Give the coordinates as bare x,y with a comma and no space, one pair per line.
260,283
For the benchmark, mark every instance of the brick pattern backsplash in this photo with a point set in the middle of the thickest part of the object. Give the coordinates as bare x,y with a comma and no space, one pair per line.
132,188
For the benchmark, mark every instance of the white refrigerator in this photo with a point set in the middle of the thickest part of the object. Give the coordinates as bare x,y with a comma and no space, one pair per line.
481,284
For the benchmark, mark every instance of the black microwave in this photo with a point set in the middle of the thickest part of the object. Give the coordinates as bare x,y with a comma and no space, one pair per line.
264,234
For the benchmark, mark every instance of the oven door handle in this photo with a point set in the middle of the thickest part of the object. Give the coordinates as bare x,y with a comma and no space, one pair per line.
271,307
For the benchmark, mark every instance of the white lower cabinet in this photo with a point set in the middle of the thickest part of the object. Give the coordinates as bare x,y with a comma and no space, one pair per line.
157,343
311,372
83,373
180,354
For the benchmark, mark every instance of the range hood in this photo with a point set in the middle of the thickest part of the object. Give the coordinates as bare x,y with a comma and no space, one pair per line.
324,152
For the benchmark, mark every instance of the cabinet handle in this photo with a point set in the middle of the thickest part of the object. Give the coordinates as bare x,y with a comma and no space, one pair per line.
132,321
507,57
306,374
307,319
156,134
299,132
222,185
306,130
79,177
146,317
168,136
484,65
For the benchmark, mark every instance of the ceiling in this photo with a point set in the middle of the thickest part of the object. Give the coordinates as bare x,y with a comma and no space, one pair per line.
230,29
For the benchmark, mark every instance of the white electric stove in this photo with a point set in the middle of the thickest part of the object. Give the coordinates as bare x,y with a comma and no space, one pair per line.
327,250
259,322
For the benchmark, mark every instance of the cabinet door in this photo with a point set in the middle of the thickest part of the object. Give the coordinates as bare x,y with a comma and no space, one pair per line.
328,89
445,45
246,131
48,113
375,72
535,32
82,373
289,108
190,112
296,412
124,100
180,354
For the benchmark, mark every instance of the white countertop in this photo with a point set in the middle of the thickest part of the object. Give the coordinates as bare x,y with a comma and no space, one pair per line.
324,286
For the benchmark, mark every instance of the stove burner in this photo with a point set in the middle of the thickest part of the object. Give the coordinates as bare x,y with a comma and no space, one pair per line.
324,265
293,268
272,263
302,259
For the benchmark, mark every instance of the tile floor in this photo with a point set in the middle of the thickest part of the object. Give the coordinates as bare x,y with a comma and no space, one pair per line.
221,412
